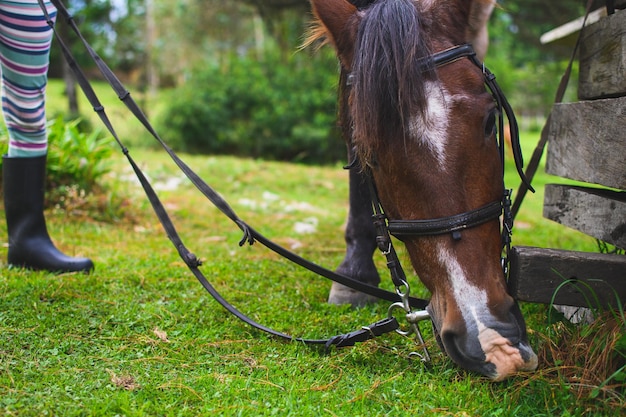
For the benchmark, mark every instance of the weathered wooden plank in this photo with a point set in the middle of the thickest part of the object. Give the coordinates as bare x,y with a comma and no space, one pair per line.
603,58
587,142
567,277
572,28
595,212
565,36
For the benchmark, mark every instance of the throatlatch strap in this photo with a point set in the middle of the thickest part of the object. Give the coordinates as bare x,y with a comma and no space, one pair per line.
250,235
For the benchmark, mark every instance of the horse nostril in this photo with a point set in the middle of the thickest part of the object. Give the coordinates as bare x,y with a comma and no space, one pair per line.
461,347
515,316
469,355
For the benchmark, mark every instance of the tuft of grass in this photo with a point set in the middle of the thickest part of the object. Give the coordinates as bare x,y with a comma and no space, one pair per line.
591,359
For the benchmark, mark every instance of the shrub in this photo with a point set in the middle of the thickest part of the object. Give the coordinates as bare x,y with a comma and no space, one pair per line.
76,165
269,109
75,157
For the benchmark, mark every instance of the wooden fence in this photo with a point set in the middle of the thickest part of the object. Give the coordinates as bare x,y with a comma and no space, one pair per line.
587,143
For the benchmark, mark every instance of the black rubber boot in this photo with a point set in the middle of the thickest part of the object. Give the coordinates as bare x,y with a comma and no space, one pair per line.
29,243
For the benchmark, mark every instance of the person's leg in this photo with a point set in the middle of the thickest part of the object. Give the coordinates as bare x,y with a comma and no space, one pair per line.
25,39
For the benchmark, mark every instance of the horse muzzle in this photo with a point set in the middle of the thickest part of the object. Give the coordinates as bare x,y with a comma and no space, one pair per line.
489,347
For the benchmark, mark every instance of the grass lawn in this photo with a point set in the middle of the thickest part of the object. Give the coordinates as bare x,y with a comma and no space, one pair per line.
140,337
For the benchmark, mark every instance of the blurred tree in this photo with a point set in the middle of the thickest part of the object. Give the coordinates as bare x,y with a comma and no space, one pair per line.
528,71
285,20
529,19
189,33
128,39
97,13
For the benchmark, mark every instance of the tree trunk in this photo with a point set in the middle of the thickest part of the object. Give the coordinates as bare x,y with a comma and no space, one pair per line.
152,71
68,75
70,90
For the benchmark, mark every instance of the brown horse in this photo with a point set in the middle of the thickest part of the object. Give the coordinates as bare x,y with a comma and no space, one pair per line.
426,134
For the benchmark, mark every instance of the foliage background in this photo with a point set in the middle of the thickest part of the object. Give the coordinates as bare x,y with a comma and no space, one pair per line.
239,83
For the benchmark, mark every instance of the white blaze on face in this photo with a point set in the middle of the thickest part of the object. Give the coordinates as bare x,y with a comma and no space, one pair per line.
432,128
471,299
427,5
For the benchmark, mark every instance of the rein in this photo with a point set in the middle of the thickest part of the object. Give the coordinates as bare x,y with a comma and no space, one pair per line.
250,236
413,308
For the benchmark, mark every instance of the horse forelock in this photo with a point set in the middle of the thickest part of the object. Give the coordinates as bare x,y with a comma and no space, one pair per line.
389,86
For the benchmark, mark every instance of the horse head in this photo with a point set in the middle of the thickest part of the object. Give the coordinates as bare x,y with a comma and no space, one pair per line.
427,134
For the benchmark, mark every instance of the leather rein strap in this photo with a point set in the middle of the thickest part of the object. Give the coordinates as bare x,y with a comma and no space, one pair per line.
250,235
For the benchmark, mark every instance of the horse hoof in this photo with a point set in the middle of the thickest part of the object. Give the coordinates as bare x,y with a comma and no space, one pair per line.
340,294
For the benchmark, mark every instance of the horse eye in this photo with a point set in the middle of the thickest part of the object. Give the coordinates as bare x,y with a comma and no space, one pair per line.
490,123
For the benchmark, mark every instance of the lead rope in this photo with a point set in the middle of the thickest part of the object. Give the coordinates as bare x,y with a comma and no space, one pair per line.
383,326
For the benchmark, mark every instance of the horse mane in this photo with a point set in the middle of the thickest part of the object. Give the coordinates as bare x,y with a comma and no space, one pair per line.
388,72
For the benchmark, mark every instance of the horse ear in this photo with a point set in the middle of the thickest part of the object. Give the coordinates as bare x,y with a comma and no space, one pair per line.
477,34
336,17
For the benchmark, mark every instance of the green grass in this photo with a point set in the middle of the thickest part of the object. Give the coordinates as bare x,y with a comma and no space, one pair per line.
140,337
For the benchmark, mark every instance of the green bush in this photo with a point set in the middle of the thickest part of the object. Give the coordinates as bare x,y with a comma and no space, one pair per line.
76,164
75,157
269,109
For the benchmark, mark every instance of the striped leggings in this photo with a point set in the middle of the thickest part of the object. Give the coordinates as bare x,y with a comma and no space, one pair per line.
25,39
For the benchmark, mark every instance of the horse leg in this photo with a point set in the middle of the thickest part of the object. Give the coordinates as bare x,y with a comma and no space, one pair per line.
360,239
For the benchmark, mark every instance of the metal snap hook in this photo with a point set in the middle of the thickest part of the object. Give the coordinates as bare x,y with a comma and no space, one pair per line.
403,294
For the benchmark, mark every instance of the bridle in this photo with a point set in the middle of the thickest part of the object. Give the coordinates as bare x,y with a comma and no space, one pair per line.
454,224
